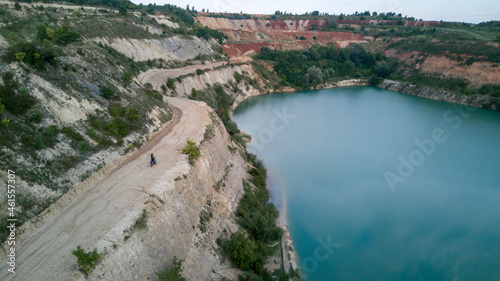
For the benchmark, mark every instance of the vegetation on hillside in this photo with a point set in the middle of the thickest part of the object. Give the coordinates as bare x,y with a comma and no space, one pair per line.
249,249
320,64
45,45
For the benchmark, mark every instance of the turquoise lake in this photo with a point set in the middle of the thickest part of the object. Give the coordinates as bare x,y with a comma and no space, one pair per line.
379,185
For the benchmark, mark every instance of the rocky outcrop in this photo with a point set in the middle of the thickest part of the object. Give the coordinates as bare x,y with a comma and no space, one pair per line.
426,92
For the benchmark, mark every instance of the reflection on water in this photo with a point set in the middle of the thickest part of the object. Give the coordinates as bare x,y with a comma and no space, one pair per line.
382,185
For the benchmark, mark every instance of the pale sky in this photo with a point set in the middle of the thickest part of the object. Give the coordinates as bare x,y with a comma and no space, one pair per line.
447,10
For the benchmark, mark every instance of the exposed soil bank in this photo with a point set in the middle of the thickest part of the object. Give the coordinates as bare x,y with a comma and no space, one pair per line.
430,93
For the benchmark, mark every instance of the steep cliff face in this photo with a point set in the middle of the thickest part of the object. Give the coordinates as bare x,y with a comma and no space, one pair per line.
426,92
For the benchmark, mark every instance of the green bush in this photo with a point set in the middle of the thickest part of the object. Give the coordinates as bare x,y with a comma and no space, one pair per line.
68,131
142,221
2,107
27,140
108,91
382,70
115,109
63,36
172,273
38,141
238,77
118,128
199,72
489,89
102,141
242,251
127,78
15,100
170,83
83,146
375,80
192,150
86,260
50,133
205,217
33,53
37,116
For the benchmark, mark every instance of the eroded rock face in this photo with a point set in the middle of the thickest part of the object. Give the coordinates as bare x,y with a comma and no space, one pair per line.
173,48
426,92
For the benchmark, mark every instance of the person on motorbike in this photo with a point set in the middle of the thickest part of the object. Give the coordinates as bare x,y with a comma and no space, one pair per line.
153,159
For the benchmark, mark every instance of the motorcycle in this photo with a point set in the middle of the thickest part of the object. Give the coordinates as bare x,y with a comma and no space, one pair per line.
152,162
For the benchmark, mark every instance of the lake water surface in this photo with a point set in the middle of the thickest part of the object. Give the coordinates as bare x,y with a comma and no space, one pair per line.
379,185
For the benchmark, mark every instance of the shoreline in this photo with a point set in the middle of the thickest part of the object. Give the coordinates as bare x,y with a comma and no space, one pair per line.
409,89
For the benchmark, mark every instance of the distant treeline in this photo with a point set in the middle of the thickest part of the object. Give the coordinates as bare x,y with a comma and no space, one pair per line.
104,3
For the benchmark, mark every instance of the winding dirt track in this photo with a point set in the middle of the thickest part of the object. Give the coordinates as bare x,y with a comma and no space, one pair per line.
99,214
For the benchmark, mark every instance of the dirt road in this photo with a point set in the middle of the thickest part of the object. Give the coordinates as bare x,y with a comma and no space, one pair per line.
157,77
98,215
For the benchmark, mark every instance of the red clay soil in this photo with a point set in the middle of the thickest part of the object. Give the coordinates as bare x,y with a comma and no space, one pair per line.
259,36
249,49
236,50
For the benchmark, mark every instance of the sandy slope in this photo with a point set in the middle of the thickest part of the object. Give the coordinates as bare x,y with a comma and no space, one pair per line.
97,216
